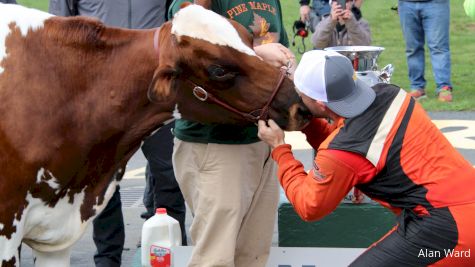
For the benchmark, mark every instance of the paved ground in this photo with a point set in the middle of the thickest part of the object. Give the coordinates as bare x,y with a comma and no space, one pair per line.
459,127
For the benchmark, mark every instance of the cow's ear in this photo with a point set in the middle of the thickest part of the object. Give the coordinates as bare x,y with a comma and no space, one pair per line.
161,88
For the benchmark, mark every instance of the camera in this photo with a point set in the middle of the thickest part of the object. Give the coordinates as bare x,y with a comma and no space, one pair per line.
300,29
342,3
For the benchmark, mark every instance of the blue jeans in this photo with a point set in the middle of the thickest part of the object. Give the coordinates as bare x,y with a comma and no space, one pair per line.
429,21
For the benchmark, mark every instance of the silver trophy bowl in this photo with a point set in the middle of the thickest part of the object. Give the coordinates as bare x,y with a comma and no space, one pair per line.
363,57
364,60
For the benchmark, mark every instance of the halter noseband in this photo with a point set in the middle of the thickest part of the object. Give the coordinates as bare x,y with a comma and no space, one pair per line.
253,116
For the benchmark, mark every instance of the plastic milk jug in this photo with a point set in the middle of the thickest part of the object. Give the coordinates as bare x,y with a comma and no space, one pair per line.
159,233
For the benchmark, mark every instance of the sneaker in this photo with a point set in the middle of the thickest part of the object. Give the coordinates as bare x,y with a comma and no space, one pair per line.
418,94
145,215
445,94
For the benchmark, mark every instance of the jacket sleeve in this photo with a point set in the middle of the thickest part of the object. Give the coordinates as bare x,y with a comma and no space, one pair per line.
317,193
358,32
317,131
59,8
322,37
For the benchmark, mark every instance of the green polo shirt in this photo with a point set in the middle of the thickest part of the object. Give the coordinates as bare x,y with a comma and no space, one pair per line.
263,19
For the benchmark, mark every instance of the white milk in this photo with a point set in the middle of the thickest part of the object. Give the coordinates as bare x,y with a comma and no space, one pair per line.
159,234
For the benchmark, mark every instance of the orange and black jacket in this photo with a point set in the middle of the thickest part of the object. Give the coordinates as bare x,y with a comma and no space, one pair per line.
392,152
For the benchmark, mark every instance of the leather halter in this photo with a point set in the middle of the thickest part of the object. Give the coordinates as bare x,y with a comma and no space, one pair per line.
253,116
205,96
156,34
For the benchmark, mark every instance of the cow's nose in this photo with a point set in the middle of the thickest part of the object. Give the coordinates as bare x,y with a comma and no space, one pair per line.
304,112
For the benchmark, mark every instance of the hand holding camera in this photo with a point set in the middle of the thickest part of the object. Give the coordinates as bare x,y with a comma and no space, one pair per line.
340,12
337,10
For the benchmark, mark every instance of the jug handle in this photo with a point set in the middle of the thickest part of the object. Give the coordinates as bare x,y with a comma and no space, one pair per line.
171,234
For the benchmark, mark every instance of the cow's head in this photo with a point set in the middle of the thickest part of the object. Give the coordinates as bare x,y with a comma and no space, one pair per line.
202,49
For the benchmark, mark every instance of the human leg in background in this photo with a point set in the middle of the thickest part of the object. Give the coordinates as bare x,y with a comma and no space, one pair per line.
148,194
437,26
413,32
227,187
109,233
158,149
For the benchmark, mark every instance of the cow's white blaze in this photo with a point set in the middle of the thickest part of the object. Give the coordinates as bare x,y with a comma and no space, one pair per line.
24,18
215,29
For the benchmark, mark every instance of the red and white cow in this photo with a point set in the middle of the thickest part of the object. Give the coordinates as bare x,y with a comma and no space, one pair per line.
74,107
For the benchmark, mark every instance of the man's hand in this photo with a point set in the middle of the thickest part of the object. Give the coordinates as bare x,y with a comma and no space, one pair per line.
272,134
305,13
347,15
274,53
277,55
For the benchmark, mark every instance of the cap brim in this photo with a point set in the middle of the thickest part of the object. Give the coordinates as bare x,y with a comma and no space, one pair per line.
356,103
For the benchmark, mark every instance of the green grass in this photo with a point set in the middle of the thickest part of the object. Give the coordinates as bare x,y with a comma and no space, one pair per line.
386,32
39,4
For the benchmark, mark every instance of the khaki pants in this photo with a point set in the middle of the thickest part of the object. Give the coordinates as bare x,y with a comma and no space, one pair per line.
232,191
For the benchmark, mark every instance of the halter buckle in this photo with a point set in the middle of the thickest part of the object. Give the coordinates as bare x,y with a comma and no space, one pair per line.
200,93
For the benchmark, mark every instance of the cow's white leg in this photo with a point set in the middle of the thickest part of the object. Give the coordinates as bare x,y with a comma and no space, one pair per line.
59,258
9,250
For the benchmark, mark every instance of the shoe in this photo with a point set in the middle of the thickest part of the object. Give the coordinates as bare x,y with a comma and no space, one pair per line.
145,215
418,94
445,94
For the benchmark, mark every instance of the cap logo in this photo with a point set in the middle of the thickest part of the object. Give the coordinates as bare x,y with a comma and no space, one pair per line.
354,76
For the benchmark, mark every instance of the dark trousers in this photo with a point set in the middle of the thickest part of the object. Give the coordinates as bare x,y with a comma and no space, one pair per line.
163,189
109,233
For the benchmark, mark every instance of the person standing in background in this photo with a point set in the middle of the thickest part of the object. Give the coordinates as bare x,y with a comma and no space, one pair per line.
225,172
315,13
421,21
108,226
344,26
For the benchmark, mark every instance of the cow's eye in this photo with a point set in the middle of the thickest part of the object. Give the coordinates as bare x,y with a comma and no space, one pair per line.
219,73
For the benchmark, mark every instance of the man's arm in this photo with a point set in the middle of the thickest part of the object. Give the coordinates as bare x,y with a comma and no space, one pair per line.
317,131
304,10
317,193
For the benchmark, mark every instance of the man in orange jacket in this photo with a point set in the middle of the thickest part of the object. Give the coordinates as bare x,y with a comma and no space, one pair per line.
382,142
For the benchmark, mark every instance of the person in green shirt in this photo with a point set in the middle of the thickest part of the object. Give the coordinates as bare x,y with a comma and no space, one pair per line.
226,172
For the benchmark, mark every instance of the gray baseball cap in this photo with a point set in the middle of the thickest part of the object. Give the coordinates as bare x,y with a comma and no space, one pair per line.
329,77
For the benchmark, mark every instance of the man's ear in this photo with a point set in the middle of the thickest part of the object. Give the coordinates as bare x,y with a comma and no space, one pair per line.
161,89
321,104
